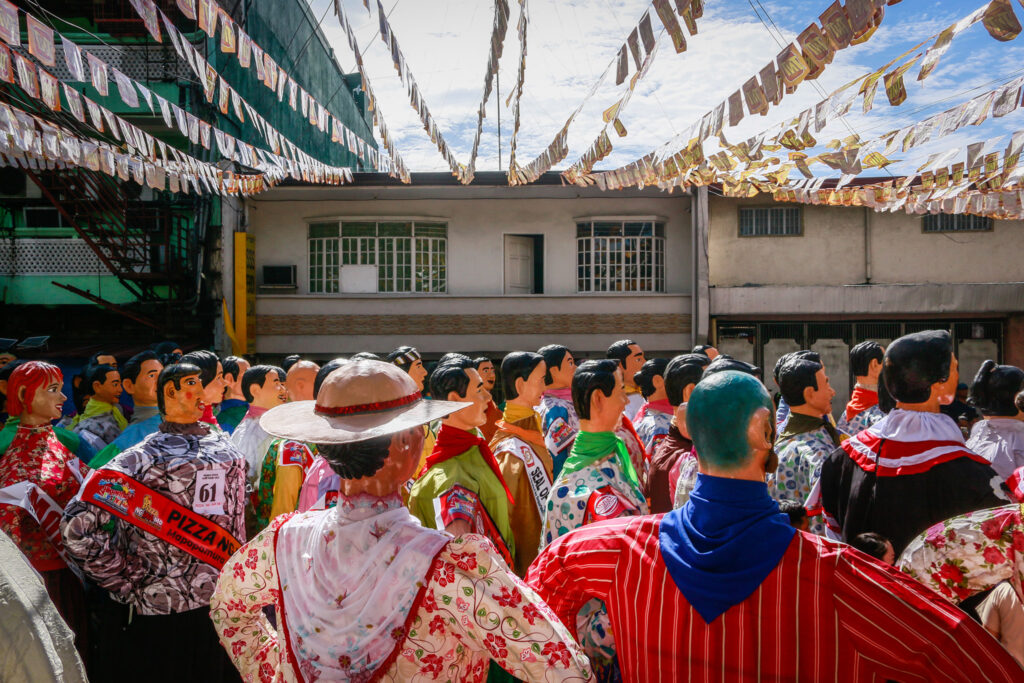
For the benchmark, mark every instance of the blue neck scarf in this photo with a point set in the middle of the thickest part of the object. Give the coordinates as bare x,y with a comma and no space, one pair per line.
723,543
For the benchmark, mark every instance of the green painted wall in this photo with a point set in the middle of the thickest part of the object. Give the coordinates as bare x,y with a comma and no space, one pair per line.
38,289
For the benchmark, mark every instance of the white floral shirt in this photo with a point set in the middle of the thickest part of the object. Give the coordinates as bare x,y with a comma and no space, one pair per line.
860,421
800,458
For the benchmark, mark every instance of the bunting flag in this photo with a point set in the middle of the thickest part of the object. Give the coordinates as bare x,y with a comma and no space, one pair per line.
515,175
641,40
498,31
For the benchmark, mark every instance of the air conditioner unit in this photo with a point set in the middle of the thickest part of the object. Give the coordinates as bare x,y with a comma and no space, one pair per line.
278,279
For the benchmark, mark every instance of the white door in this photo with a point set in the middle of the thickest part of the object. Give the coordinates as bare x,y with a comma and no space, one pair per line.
518,264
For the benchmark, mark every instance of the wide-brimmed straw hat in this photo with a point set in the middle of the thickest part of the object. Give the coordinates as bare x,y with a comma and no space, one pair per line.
361,400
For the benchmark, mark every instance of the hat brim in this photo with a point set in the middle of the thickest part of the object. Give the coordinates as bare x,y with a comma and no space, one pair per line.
301,422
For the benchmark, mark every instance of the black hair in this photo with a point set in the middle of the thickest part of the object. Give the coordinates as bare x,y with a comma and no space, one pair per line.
806,354
724,363
289,361
871,544
590,376
365,355
257,374
914,362
96,373
165,347
861,356
404,357
231,365
796,375
95,358
480,360
681,372
448,377
885,400
174,372
654,367
554,355
455,356
797,512
132,368
1019,401
518,365
327,368
206,361
359,459
619,351
995,388
702,349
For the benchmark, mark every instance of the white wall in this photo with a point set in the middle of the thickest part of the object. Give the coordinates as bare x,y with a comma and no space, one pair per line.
478,219
831,249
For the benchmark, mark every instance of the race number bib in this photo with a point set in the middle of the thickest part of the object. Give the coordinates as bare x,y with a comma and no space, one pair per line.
209,496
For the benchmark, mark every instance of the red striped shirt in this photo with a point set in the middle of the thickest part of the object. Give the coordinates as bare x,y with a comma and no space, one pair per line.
826,612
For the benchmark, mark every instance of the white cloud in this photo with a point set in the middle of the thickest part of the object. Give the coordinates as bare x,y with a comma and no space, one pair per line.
570,42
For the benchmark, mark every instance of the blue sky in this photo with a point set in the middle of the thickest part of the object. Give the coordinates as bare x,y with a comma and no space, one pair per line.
571,42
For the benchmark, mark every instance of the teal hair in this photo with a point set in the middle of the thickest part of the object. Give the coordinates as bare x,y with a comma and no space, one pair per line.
718,415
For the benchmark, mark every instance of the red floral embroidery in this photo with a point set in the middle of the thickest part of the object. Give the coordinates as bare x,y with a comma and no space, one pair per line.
436,624
465,561
992,528
531,613
497,646
253,556
266,672
237,647
508,597
431,664
557,653
344,661
398,634
429,603
230,632
444,573
1018,541
478,672
238,571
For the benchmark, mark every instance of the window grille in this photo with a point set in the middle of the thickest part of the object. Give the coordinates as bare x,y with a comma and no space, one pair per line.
620,256
760,221
961,222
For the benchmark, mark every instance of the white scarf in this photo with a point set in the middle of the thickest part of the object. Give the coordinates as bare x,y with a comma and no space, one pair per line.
349,576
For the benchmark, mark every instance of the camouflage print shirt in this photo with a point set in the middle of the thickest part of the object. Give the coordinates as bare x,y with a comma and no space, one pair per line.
136,567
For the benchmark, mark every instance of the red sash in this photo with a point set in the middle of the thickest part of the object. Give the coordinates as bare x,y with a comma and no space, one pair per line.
159,516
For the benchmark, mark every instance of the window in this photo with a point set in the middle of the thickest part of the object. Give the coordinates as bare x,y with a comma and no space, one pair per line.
43,217
410,256
942,222
620,256
758,221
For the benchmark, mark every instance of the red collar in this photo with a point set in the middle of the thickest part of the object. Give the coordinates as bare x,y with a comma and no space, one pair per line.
860,400
452,442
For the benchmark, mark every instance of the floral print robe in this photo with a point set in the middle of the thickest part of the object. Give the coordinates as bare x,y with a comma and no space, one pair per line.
472,610
800,459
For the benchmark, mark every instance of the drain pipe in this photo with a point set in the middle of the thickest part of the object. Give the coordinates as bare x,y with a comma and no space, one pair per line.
867,245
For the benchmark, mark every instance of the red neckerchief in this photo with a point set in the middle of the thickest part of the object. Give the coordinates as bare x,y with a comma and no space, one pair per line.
452,442
860,400
208,417
661,405
627,424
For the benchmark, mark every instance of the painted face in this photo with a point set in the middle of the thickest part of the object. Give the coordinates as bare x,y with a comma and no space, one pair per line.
947,390
271,393
6,358
532,388
821,398
47,402
184,405
214,391
474,414
143,389
236,381
110,390
561,376
606,411
634,361
890,554
418,373
487,374
711,352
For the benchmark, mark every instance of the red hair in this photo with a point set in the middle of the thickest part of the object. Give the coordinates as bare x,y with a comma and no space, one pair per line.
32,376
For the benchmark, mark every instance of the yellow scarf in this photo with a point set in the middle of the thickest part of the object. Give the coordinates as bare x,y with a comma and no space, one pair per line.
632,390
529,432
96,408
515,412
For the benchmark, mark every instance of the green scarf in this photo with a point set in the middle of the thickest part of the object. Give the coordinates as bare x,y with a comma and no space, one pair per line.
589,447
801,424
96,408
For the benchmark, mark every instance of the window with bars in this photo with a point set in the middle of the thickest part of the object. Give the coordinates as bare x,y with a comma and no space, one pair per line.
620,256
775,221
943,222
410,256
